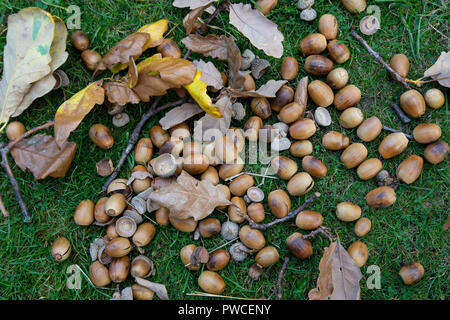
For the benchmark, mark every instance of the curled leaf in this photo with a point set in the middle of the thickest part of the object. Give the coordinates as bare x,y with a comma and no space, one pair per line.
156,31
191,18
210,75
192,4
120,93
179,114
209,126
440,70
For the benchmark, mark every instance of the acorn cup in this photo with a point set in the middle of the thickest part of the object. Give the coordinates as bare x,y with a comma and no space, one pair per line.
318,65
314,43
409,169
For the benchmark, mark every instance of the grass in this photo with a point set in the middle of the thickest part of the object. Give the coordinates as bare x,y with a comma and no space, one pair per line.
410,230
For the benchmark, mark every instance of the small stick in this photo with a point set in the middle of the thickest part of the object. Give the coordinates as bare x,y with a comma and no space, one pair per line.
12,143
322,230
3,209
250,174
378,58
280,278
410,137
219,247
401,114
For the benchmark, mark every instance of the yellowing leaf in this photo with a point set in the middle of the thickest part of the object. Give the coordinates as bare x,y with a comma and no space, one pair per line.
71,112
197,90
156,31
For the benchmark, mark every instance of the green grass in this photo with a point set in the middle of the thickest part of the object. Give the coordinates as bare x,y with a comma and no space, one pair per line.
410,230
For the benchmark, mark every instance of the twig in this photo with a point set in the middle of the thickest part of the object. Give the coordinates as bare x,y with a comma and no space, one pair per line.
322,230
378,58
410,137
401,114
250,174
280,278
12,143
3,209
290,215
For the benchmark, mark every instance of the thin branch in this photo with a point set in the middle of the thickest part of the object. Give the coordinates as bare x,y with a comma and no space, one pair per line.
378,58
401,114
280,278
12,143
3,209
410,137
321,230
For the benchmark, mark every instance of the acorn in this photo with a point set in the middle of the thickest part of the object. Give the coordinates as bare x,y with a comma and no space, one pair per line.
261,107
362,226
315,167
84,213
427,132
302,129
141,293
210,175
318,65
141,267
299,247
413,103
218,260
111,232
252,127
143,152
393,145
125,226
370,129
337,78
159,136
169,48
284,167
436,152
279,203
144,234
118,247
225,149
186,254
265,6
268,134
101,136
291,112
320,93
301,148
238,210
300,184
358,252
100,212
328,26
400,63
162,216
115,205
14,130
354,6
334,140
309,220
231,169
289,68
99,274
139,185
174,146
369,168
119,186
411,273
209,227
314,43
256,212
91,59
283,96
353,155
80,40
409,169
381,197
347,97
180,132
240,185
61,249
196,163
191,147
249,83
348,211
434,98
119,268
338,51
237,136
252,238
351,118
267,256
211,282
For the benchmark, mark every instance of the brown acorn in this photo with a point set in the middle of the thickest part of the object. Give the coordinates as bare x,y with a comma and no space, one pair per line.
309,220
354,6
218,260
351,118
162,216
143,152
315,167
261,107
209,227
252,238
400,63
14,130
348,211
169,48
427,132
266,6
225,149
370,129
115,204
186,254
347,97
159,136
328,26
381,197
80,40
100,212
412,273
180,131
141,267
191,147
436,152
289,68
118,247
393,145
301,148
362,226
249,83
111,232
302,129
195,163
283,96
300,184
101,136
237,136
413,103
318,65
299,247
211,175
84,213
434,98
61,249
369,168
267,256
99,274
338,51
256,212
139,185
91,59
231,169
358,252
337,78
252,127
173,146
291,112
144,234
279,203
334,140
314,43
211,282
284,167
141,293
320,93
409,169
119,268
238,210
240,185
353,155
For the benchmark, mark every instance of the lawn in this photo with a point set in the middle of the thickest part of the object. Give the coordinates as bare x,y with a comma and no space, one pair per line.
410,230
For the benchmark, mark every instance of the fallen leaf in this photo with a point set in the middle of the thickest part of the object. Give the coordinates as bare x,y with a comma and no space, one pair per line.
197,90
179,114
188,197
104,167
132,75
191,18
261,32
43,157
234,59
268,90
158,288
192,4
208,126
120,93
210,75
26,57
71,112
156,31
440,70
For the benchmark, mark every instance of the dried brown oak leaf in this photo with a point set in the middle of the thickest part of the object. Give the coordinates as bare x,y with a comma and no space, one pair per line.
41,155
210,75
208,127
268,90
339,275
192,4
179,114
120,93
157,75
188,197
158,288
190,19
440,70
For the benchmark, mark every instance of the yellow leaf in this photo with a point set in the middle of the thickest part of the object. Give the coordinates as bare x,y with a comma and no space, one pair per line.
156,31
197,90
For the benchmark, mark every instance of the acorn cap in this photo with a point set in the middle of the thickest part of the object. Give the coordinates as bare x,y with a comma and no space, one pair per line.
125,227
255,194
165,165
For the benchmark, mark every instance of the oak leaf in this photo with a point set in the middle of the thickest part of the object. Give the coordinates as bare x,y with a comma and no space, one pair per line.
158,288
192,4
210,75
207,126
440,70
179,114
267,90
156,31
197,90
120,93
190,19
